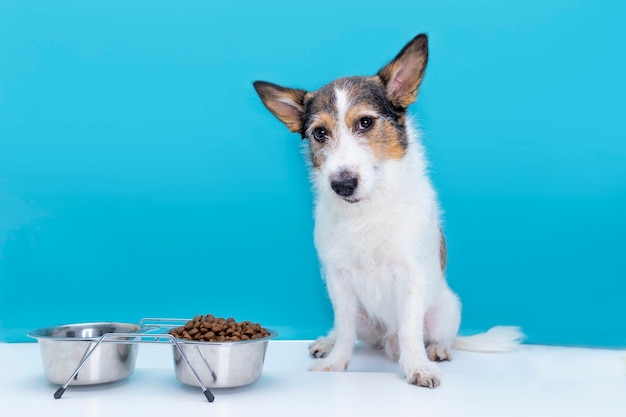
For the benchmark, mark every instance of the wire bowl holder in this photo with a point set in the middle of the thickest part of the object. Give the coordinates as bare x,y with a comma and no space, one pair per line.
151,330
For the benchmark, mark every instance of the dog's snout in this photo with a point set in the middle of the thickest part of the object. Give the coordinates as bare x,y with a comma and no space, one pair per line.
345,184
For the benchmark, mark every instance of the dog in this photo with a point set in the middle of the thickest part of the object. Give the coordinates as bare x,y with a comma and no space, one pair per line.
378,230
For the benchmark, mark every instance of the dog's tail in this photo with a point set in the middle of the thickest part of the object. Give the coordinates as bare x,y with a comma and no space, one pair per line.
496,339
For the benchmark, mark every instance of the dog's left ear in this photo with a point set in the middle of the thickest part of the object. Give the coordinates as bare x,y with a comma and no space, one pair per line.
403,76
287,104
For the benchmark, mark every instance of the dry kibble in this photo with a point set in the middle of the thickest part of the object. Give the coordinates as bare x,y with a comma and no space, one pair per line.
217,329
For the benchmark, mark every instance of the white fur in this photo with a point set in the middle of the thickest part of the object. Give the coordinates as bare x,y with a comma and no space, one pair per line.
380,259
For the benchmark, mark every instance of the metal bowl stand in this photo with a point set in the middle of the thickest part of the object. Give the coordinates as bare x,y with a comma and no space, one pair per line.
145,334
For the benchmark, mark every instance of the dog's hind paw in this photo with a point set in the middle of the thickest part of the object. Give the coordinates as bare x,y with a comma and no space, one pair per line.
423,377
437,353
321,347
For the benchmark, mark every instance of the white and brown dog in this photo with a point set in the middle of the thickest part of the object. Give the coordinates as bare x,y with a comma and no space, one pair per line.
377,220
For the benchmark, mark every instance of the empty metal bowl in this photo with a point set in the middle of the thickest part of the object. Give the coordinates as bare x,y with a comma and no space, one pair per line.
222,364
63,347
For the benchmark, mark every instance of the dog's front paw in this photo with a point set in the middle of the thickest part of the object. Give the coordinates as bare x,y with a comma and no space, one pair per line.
423,376
321,347
324,366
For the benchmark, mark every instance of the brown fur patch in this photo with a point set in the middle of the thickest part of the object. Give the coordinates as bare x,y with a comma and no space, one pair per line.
328,122
383,138
443,251
367,96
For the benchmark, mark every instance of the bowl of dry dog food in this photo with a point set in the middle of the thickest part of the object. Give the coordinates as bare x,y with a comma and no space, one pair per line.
225,353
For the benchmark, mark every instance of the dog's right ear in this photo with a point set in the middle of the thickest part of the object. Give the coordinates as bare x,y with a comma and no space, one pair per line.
287,104
403,76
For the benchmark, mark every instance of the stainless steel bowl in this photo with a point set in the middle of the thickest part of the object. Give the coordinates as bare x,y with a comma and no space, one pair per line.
63,347
222,364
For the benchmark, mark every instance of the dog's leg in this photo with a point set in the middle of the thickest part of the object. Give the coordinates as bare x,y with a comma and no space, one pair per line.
391,348
442,325
345,310
368,330
411,295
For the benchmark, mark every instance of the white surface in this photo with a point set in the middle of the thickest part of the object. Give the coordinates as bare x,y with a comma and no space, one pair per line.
533,381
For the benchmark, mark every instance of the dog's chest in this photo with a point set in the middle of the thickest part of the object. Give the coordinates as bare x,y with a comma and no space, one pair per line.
359,241
369,246
366,256
376,235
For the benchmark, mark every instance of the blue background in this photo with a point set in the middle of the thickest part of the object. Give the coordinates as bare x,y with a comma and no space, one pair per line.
140,175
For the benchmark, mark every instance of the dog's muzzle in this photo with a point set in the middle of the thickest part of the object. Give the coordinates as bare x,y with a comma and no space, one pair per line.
344,184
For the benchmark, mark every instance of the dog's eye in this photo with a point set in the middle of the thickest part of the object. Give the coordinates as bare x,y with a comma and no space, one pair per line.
320,134
365,123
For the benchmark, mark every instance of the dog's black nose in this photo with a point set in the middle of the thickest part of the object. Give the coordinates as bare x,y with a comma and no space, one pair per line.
345,184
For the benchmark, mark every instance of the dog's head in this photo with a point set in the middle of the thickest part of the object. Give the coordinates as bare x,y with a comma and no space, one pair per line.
354,124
